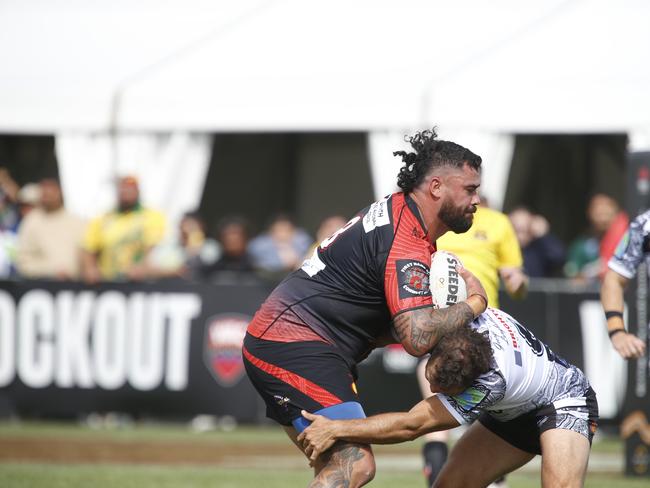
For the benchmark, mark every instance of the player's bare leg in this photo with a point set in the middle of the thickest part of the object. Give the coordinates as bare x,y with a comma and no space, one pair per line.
435,450
345,464
565,455
469,466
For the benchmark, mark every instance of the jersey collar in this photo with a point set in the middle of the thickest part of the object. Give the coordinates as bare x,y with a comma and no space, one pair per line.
410,203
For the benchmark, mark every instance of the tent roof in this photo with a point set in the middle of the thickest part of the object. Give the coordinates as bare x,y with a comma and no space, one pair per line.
546,66
64,61
584,67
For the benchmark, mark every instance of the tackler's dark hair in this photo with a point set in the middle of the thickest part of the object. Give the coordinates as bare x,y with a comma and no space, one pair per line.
461,356
428,153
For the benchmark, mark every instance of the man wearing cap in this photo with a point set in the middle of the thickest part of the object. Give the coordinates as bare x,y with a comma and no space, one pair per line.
116,244
49,236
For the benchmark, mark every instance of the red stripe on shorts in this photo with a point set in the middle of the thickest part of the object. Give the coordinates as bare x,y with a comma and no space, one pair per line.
312,390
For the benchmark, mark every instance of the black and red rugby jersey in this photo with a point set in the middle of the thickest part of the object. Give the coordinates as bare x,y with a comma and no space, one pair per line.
357,280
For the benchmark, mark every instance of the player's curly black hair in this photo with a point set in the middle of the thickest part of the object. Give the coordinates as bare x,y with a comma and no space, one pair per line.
430,153
459,357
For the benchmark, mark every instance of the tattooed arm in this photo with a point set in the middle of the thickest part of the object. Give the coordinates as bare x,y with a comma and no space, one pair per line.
419,330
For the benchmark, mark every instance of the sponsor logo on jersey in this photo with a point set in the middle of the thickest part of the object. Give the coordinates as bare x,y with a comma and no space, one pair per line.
281,400
412,278
222,347
622,245
470,398
513,337
376,216
313,265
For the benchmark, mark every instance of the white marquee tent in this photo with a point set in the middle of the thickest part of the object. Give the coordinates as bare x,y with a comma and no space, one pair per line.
197,65
480,71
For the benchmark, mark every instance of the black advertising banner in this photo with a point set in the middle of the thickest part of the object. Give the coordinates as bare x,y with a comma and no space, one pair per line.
636,427
159,349
174,349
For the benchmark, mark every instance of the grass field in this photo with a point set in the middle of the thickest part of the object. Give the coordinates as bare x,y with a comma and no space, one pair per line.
40,455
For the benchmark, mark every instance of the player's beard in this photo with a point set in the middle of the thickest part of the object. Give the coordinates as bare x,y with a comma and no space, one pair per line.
458,219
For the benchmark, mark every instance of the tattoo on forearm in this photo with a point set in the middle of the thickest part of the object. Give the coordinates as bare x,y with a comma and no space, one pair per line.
423,327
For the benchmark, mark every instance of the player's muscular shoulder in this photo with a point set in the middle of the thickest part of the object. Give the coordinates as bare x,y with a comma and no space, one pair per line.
418,330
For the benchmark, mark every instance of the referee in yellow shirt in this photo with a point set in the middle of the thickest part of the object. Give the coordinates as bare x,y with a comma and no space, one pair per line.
490,250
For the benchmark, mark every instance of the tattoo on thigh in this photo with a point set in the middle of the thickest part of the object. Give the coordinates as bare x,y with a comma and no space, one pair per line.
339,464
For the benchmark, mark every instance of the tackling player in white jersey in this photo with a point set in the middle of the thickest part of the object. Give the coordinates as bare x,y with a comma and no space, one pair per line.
527,401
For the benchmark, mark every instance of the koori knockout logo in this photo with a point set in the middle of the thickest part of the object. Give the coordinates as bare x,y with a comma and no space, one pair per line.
222,347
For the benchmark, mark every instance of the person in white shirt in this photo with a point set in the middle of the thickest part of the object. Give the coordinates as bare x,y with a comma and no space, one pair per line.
49,238
526,400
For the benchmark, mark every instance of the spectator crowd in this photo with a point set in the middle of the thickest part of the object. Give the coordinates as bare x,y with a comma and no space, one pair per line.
40,239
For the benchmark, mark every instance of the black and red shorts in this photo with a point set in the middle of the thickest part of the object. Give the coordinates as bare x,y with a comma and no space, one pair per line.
295,376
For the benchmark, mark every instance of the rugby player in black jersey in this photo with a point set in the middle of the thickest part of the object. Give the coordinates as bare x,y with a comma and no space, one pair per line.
365,286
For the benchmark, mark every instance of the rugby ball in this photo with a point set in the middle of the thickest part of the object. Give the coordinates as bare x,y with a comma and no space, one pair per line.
447,286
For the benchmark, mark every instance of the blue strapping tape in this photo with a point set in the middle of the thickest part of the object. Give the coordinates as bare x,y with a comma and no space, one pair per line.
341,411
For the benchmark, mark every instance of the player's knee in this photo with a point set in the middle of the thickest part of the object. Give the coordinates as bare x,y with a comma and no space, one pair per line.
367,469
362,472
353,463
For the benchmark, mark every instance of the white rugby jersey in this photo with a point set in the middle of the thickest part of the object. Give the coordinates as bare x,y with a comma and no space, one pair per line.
525,375
633,247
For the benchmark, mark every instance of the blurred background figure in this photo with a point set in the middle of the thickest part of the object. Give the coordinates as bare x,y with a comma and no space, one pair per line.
328,226
28,198
233,236
588,255
190,256
49,237
9,220
117,245
9,214
490,250
281,248
199,250
544,254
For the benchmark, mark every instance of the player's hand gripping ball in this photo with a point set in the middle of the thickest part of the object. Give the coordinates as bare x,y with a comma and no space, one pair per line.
447,286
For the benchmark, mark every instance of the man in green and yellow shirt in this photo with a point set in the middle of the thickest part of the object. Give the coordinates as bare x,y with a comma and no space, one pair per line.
116,245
